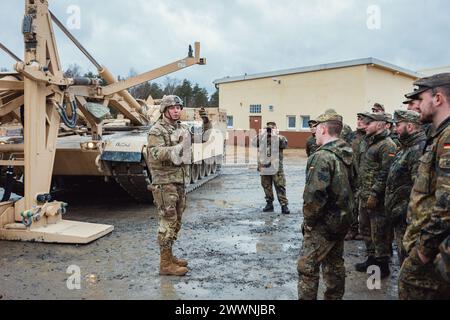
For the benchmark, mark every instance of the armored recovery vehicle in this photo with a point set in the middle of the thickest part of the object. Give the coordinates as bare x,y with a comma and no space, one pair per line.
66,132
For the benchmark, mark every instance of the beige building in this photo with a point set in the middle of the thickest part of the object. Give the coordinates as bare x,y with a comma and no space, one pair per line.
292,97
430,72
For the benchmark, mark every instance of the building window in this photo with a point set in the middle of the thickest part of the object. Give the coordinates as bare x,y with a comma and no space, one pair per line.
304,120
270,108
255,108
230,122
291,122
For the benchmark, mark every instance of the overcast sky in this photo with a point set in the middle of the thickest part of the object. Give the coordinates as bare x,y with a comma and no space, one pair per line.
243,36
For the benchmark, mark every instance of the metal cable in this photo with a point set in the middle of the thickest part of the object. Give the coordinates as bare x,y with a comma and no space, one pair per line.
10,53
75,41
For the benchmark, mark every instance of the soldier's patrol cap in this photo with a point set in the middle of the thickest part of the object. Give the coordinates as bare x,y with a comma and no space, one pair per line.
389,118
408,101
271,124
378,106
427,83
363,114
374,116
330,111
326,117
406,116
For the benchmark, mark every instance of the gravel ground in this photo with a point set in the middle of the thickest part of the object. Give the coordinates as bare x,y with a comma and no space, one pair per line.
235,251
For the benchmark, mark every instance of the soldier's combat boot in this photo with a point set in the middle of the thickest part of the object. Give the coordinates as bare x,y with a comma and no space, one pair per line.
362,266
268,207
178,262
384,267
285,209
167,267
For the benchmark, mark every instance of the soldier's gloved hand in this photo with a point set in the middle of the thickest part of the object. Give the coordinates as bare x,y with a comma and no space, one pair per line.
203,114
186,139
176,154
372,202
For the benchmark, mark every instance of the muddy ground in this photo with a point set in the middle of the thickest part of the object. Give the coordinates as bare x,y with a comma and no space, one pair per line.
235,250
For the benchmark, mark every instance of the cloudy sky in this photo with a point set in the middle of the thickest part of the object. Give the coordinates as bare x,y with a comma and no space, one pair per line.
243,36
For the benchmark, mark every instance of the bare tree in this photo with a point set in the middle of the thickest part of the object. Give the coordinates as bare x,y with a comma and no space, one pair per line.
170,85
74,71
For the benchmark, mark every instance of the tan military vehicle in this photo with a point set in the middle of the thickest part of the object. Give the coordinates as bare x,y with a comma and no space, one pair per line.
120,156
55,126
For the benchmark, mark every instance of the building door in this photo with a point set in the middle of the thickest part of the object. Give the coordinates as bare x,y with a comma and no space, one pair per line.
255,123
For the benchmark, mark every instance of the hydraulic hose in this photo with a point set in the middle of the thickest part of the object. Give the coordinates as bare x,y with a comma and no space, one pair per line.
9,181
70,122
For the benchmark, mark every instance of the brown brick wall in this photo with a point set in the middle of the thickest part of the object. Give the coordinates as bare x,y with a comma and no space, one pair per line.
296,139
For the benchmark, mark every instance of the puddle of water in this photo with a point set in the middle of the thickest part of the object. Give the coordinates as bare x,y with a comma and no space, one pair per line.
241,243
168,291
252,222
262,247
248,244
260,223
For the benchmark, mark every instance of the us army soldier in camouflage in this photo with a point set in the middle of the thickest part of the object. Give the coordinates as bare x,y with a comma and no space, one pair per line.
377,155
429,206
271,168
327,211
168,142
402,173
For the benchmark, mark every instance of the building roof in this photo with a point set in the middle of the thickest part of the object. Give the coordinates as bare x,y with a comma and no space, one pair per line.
320,67
431,71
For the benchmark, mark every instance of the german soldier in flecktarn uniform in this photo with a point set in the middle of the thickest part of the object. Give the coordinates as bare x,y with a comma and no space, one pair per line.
378,108
403,172
169,145
429,206
442,261
346,133
327,212
377,153
358,138
311,145
390,127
